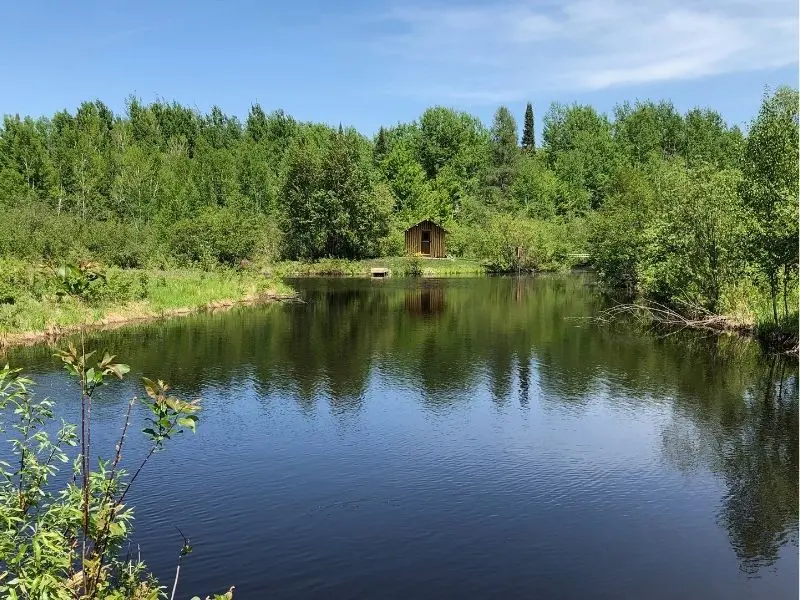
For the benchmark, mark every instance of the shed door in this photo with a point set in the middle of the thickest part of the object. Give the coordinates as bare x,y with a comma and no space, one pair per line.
426,242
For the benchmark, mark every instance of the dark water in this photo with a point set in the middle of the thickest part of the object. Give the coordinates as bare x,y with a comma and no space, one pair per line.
460,438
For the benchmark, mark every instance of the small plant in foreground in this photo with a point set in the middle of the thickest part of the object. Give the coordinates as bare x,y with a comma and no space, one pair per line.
66,542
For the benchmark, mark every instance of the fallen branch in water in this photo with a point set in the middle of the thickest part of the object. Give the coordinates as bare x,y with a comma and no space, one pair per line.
654,312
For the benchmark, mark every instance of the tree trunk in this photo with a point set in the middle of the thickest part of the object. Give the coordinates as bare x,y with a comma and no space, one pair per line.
785,291
773,290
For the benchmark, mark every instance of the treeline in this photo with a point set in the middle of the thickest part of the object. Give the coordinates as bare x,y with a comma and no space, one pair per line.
682,207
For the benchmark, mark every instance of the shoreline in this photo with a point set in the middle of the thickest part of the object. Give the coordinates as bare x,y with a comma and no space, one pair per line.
116,320
776,341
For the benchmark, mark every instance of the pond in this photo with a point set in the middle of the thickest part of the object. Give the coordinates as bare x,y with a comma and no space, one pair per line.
458,438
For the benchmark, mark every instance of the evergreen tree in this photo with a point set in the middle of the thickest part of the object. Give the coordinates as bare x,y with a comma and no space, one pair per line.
528,136
381,145
503,153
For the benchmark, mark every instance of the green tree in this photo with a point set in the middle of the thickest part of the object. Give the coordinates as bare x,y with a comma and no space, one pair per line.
536,188
330,201
648,130
528,135
450,137
135,187
406,179
503,154
23,152
710,140
581,150
694,243
381,145
91,160
769,191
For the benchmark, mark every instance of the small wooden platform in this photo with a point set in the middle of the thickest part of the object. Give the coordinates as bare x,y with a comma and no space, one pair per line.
379,272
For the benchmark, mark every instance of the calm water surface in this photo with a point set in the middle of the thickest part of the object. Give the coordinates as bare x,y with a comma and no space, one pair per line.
459,438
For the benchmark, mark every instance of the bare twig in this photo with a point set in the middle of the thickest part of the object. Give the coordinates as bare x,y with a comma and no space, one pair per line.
185,549
100,549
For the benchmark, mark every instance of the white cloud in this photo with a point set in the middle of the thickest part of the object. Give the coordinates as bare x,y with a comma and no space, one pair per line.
501,52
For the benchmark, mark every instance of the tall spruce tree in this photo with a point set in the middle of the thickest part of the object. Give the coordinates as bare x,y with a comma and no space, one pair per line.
381,146
528,139
503,155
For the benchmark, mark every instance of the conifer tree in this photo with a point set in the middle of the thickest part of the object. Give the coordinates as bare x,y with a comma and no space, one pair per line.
528,139
381,145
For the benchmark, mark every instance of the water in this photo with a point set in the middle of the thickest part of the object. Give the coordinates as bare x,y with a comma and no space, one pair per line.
459,438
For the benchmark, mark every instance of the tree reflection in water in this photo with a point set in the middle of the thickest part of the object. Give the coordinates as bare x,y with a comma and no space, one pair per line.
733,412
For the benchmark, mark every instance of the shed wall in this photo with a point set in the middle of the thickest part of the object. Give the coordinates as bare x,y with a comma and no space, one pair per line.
414,239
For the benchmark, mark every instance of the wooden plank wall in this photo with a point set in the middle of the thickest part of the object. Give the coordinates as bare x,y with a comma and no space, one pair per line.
414,239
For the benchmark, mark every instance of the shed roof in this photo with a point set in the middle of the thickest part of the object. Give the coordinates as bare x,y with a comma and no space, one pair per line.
427,221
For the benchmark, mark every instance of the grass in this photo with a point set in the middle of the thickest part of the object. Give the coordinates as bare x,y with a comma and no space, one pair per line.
32,310
398,265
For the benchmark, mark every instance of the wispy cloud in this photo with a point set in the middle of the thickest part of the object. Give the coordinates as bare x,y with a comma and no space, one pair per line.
503,51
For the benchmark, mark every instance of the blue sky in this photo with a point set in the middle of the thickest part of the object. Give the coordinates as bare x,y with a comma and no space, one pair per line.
371,63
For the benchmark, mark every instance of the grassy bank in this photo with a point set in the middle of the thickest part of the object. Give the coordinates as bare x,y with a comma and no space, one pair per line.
398,265
38,303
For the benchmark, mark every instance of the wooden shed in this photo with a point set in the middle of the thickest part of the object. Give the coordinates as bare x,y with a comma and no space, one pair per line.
426,238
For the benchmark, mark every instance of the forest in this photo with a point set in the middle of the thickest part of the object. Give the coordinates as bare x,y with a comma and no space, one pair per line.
682,209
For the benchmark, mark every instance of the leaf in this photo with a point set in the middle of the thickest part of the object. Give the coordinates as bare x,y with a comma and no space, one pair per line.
188,422
118,369
150,388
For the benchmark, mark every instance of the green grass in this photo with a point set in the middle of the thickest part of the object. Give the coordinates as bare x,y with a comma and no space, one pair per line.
398,265
31,305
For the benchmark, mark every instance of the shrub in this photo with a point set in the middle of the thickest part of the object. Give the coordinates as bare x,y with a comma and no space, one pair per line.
216,236
34,231
507,244
62,538
122,244
412,266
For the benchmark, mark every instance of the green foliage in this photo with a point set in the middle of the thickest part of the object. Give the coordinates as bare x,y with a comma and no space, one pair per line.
582,152
528,133
412,266
215,236
332,205
693,244
510,244
649,130
503,156
617,232
78,279
536,190
165,185
769,192
62,538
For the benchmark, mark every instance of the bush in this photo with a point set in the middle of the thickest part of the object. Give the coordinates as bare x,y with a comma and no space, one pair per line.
216,236
617,231
36,232
122,244
412,266
694,243
122,286
508,244
394,243
270,242
43,514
